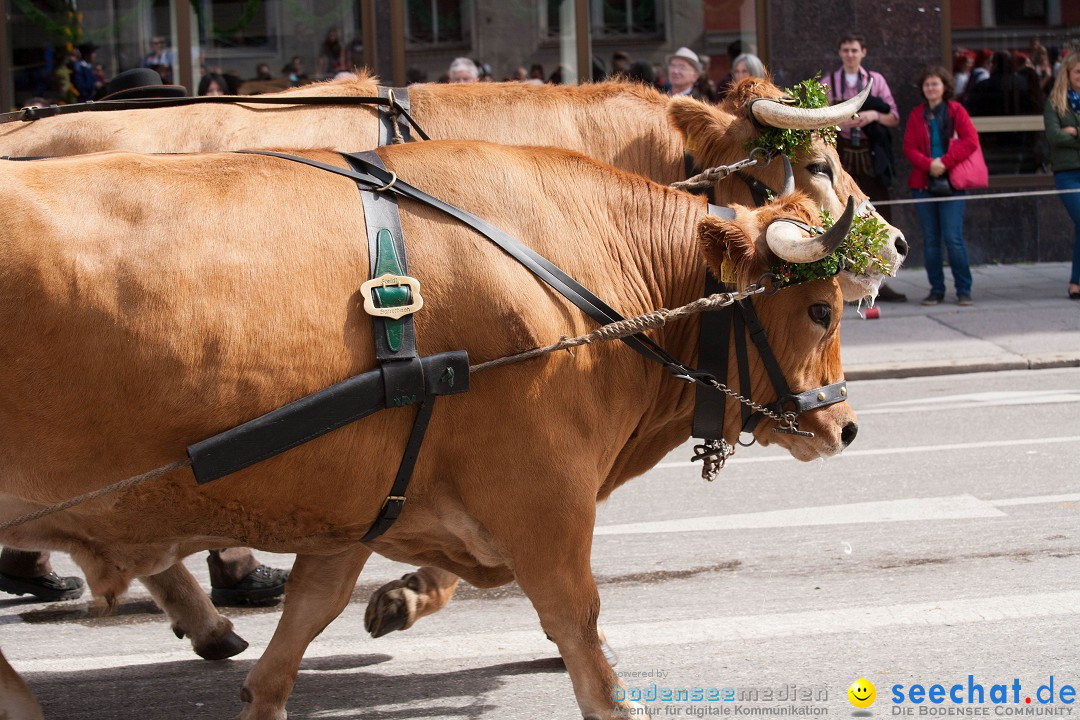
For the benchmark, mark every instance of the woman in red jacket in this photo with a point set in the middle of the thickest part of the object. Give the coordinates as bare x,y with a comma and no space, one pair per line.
939,135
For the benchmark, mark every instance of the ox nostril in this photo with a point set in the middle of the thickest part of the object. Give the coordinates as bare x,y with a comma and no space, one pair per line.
848,433
901,246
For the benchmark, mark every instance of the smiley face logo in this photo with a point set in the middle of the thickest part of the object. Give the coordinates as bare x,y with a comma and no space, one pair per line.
862,693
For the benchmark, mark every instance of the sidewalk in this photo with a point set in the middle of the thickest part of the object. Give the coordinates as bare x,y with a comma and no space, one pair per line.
1022,319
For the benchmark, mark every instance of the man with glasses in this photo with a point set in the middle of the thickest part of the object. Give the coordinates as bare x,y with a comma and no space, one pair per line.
160,58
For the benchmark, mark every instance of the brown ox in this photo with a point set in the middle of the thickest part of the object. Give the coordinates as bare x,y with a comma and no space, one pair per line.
626,125
139,327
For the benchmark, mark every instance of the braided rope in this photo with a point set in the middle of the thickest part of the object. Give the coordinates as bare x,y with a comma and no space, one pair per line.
611,331
115,487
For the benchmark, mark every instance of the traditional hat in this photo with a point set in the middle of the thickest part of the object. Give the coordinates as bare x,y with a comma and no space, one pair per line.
141,83
686,54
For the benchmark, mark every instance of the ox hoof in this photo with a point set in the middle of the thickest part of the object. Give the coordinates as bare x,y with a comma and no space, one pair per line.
388,610
229,645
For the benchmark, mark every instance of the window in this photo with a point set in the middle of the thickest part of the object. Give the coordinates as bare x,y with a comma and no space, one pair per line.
626,19
614,19
437,22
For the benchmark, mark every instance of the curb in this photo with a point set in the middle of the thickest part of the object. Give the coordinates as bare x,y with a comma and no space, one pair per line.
958,367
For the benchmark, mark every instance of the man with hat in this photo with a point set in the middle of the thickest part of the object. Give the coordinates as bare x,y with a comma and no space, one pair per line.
683,70
140,83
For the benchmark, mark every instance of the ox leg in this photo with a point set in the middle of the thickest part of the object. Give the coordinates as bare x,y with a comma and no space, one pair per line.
558,580
318,590
192,614
397,605
16,700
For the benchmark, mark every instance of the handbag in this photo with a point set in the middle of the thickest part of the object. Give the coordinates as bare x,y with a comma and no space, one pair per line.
970,172
939,185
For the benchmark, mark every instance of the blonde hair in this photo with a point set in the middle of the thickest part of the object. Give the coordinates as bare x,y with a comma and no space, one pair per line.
1059,93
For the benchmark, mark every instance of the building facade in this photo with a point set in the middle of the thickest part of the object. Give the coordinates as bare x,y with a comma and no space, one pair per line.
262,45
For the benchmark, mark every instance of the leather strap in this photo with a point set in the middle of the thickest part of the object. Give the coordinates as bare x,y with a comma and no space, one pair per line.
394,338
710,406
314,415
391,112
395,501
30,114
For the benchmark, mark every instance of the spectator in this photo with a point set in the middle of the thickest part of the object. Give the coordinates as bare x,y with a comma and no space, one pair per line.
620,63
1003,92
160,59
706,88
536,72
520,74
734,50
963,64
82,76
1040,60
262,72
294,70
463,70
865,142
212,85
939,135
746,65
485,72
1062,119
981,71
331,54
642,72
683,70
140,83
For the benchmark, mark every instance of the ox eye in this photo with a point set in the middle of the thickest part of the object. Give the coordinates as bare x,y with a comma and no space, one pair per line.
821,314
820,168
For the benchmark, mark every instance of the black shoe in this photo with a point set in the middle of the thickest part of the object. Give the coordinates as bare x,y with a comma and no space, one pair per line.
933,299
261,586
887,294
47,588
964,300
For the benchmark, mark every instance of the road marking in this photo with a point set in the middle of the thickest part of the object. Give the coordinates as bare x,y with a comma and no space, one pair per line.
839,620
958,507
1036,500
983,444
418,645
975,400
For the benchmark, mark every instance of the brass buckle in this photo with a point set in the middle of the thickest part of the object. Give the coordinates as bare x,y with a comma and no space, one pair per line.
389,280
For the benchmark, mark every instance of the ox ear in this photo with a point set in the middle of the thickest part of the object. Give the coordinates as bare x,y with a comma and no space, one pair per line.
728,250
696,121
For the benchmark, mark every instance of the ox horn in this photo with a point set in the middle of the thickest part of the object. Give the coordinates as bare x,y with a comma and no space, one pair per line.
787,241
789,179
778,115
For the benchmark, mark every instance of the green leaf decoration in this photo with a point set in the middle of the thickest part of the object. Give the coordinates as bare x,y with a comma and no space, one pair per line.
859,253
793,143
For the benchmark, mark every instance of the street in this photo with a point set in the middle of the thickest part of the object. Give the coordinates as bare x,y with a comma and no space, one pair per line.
944,543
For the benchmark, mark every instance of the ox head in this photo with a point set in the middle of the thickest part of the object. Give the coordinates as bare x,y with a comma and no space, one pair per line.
717,136
802,321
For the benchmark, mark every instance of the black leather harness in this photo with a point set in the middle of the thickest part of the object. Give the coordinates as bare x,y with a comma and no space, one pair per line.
403,378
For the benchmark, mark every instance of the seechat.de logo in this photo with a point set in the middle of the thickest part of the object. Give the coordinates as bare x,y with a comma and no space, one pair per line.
862,693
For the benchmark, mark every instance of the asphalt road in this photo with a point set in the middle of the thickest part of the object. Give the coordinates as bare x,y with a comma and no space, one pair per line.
945,543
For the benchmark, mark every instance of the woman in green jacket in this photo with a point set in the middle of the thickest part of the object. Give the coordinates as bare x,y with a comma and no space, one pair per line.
1062,117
